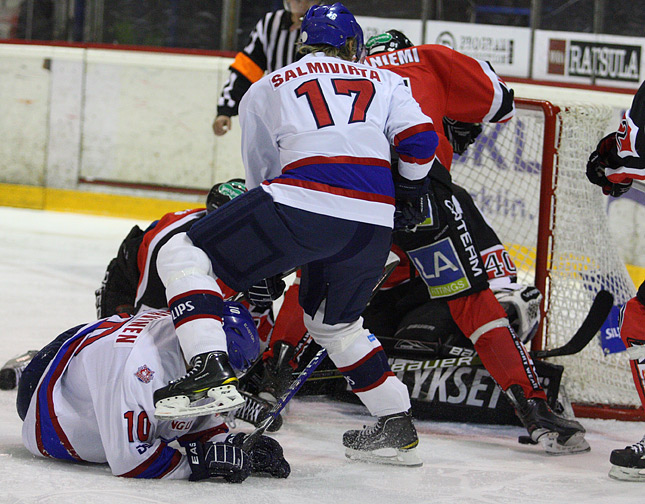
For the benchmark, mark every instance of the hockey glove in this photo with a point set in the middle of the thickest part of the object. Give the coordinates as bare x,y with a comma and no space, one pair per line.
210,459
461,134
605,157
266,455
262,294
408,214
522,306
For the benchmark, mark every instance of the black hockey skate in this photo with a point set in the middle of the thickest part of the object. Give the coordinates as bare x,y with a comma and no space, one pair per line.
628,464
556,434
13,368
277,374
255,410
210,376
392,440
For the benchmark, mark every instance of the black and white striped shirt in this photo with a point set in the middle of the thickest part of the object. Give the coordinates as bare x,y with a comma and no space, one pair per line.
271,46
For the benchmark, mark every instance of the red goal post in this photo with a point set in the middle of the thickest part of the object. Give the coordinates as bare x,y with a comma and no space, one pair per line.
528,178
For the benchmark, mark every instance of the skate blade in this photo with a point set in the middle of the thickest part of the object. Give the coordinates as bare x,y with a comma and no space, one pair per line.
224,399
626,473
574,445
389,456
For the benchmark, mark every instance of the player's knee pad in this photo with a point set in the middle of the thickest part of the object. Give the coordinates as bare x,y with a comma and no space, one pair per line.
487,328
477,313
179,259
334,338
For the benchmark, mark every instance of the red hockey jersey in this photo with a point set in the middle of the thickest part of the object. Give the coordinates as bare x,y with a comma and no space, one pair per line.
448,83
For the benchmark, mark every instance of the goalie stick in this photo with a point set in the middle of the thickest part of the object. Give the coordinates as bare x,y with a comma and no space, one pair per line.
592,323
600,308
251,439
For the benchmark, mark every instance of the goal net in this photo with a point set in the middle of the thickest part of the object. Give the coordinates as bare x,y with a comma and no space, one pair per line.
528,178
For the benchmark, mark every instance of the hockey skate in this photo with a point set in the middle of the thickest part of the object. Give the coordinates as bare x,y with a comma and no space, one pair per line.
210,377
628,464
255,410
556,434
277,374
392,440
13,368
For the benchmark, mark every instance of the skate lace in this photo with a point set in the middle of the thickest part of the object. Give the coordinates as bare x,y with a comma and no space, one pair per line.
371,430
250,411
639,448
197,368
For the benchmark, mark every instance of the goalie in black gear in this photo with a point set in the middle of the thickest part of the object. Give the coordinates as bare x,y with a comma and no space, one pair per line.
441,367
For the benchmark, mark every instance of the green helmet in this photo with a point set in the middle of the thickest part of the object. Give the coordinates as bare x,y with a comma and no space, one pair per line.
223,193
391,40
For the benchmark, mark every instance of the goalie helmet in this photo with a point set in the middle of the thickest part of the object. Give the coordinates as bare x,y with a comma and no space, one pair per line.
522,306
332,25
223,193
391,40
242,338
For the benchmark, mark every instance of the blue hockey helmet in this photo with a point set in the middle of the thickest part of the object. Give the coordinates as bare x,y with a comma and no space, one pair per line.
332,25
242,338
224,192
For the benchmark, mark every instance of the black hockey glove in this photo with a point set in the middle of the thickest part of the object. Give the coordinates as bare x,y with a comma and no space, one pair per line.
266,455
461,134
210,459
262,294
408,214
411,201
605,156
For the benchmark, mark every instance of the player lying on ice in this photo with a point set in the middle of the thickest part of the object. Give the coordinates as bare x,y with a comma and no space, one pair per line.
88,397
618,160
131,282
448,84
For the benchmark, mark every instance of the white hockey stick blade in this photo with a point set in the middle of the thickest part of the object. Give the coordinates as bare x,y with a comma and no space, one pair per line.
626,473
575,444
223,399
389,456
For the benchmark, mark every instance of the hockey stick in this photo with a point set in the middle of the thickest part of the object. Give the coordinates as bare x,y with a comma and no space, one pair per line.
273,413
600,308
592,323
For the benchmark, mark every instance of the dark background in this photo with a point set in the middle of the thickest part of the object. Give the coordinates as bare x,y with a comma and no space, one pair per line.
196,24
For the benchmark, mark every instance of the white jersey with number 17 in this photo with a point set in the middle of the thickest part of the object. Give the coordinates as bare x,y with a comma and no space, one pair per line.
317,134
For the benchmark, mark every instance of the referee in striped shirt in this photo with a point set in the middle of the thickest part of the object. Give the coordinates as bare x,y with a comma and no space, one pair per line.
272,45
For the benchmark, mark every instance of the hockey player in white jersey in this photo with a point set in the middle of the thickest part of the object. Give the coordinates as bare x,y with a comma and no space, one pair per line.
316,138
88,397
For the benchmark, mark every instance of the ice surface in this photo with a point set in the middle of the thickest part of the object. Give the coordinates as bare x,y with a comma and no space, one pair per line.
52,262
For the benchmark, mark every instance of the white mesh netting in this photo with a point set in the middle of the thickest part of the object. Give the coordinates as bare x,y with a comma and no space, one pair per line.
502,171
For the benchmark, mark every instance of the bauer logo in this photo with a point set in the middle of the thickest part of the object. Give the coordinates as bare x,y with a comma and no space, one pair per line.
440,268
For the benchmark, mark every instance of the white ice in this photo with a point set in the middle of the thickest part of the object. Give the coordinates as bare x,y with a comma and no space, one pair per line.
52,262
